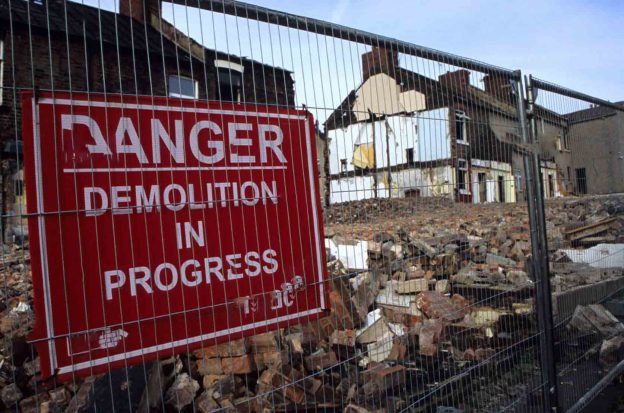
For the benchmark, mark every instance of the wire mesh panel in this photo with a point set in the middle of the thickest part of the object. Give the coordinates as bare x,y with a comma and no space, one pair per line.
580,138
213,206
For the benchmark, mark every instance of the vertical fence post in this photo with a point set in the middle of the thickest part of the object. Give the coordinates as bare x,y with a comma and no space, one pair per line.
539,250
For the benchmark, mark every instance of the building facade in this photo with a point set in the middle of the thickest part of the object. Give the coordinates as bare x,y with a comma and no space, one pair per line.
596,139
59,45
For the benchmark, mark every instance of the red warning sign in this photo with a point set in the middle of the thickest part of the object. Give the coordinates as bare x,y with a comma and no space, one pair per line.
159,225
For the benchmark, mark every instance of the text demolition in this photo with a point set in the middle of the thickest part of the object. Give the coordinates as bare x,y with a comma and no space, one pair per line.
125,199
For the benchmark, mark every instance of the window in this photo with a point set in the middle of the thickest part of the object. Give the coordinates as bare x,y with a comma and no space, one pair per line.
462,173
229,80
409,155
569,176
563,141
1,70
581,181
461,132
343,165
182,87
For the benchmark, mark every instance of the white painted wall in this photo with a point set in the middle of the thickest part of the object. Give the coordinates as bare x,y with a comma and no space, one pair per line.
438,181
351,189
426,132
492,170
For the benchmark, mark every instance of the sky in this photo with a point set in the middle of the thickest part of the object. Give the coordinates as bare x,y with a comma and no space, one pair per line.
574,43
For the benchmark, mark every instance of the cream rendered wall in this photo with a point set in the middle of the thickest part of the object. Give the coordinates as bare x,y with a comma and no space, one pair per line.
438,181
492,170
382,95
552,172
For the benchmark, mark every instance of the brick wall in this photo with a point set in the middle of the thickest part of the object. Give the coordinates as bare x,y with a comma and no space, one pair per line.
102,69
38,60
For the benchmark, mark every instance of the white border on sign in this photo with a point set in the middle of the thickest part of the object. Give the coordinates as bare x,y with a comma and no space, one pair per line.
166,346
178,343
42,237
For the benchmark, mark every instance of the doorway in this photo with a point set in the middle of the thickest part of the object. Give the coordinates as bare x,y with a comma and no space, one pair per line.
482,187
501,188
551,186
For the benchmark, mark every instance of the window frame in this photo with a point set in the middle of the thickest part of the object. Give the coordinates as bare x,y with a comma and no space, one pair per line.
563,142
466,171
565,137
343,165
1,72
461,117
230,68
409,156
179,95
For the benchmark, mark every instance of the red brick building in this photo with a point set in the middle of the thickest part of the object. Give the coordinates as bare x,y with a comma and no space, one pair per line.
60,45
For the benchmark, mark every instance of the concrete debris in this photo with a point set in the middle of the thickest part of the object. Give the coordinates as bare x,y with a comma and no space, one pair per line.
182,391
33,403
82,397
493,259
429,336
352,254
598,256
595,318
376,326
321,360
611,351
410,286
20,308
435,305
10,395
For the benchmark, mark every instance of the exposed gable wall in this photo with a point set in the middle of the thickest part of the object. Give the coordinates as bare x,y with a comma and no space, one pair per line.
382,96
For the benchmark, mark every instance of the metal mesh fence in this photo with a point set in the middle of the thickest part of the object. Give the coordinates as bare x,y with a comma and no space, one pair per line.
211,206
588,247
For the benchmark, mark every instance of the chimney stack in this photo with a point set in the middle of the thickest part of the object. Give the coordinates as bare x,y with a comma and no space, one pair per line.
139,10
499,87
458,78
379,60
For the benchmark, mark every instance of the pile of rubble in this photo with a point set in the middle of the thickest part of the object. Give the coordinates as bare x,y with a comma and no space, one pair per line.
593,329
420,294
386,322
402,309
362,219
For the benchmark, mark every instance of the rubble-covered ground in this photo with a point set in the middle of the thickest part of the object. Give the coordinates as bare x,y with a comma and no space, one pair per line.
431,310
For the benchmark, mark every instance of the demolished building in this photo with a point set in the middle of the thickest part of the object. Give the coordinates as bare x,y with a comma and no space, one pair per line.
401,133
